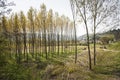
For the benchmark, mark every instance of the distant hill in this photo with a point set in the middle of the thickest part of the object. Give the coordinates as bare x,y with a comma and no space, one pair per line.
115,32
84,37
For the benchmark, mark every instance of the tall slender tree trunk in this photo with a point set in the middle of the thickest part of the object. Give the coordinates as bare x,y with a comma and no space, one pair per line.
45,41
74,13
88,44
16,39
75,43
61,39
25,45
95,15
94,48
58,44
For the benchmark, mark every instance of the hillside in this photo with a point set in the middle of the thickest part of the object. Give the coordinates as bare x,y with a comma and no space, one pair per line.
114,32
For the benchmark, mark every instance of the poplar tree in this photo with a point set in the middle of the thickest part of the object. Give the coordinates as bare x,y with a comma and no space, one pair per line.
32,29
23,26
43,14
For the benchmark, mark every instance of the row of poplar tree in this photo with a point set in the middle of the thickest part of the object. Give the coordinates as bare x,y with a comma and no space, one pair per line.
38,33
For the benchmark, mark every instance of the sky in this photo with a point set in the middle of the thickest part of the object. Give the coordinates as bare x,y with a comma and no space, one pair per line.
60,6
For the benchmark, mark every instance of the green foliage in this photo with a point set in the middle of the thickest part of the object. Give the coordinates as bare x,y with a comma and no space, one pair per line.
9,70
42,65
14,72
4,50
106,38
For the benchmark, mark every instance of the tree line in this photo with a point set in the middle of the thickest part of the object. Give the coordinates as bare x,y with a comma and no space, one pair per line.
39,33
116,33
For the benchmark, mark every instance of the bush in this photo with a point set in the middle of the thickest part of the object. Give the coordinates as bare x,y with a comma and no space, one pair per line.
14,72
4,50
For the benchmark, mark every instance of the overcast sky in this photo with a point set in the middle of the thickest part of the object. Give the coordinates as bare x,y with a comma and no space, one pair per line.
60,6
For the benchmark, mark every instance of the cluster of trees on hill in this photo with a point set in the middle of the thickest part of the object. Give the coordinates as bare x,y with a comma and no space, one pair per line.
39,33
116,33
109,36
